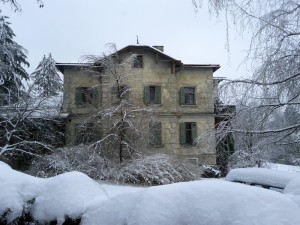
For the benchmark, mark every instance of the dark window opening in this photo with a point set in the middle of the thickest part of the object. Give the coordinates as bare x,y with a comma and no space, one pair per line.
85,95
187,96
120,92
188,133
152,95
138,61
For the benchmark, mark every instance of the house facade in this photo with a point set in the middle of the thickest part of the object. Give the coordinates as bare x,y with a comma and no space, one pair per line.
181,95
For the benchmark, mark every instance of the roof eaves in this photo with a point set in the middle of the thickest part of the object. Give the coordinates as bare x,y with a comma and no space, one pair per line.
215,67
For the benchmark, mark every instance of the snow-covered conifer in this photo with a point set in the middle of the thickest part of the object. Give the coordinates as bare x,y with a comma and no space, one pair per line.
12,59
46,77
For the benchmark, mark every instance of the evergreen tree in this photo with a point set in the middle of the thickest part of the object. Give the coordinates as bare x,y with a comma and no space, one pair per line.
46,77
12,59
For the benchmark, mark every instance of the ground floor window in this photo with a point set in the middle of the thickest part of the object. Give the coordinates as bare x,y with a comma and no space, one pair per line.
155,138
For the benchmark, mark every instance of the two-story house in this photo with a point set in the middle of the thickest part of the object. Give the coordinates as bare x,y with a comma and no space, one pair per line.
181,94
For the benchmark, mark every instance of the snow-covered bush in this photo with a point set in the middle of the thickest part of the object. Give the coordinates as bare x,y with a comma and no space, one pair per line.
210,171
155,169
77,158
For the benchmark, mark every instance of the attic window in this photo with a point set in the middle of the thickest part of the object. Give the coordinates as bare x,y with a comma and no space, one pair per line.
138,62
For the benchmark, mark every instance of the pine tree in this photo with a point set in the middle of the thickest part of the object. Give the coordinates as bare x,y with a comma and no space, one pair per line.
12,59
46,77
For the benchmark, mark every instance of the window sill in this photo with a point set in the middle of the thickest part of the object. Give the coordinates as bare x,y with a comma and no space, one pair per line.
194,105
188,145
155,146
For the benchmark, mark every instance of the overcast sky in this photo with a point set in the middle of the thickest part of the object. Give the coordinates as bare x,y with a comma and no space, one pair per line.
71,28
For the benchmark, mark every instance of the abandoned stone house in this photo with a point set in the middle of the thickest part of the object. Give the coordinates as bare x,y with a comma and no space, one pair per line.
181,94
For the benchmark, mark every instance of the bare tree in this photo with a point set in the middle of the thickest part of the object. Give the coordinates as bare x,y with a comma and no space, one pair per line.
17,7
274,55
29,126
122,121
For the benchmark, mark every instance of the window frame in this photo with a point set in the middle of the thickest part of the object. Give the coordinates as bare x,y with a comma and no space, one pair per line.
81,99
185,94
124,95
152,97
155,130
188,133
138,62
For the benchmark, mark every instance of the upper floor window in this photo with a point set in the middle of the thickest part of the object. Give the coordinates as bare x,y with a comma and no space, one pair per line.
187,96
85,95
188,133
155,138
152,94
119,92
138,62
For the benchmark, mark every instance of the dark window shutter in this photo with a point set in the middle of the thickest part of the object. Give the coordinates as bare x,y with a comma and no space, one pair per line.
182,97
94,96
157,94
157,133
194,132
182,133
78,96
147,94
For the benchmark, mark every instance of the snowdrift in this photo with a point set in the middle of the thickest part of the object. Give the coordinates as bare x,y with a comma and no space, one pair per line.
75,195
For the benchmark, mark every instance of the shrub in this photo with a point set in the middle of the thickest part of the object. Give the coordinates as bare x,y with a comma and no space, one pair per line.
155,169
78,158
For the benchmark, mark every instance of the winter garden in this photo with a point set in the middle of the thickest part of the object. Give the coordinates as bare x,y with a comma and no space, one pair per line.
44,182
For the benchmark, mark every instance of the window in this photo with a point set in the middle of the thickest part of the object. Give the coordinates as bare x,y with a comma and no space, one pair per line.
122,93
152,95
155,134
84,133
138,61
187,96
85,95
188,133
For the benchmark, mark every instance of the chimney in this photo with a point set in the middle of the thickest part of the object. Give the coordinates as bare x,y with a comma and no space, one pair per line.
159,47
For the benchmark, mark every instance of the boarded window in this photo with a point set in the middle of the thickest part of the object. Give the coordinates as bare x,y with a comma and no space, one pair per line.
152,94
188,133
155,138
138,62
85,95
187,96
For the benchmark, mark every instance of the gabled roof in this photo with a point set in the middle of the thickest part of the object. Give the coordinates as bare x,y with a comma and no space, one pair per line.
132,48
151,49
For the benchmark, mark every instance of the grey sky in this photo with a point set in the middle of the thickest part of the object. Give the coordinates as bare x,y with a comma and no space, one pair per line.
71,28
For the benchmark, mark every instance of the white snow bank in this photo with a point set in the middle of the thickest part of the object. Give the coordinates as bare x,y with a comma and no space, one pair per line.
69,194
292,190
262,176
199,202
283,167
15,189
65,194
293,187
55,198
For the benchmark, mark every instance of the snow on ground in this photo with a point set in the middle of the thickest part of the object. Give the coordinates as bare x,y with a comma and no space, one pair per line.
200,202
292,190
263,176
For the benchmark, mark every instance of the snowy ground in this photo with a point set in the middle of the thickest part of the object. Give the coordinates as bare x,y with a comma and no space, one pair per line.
200,202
